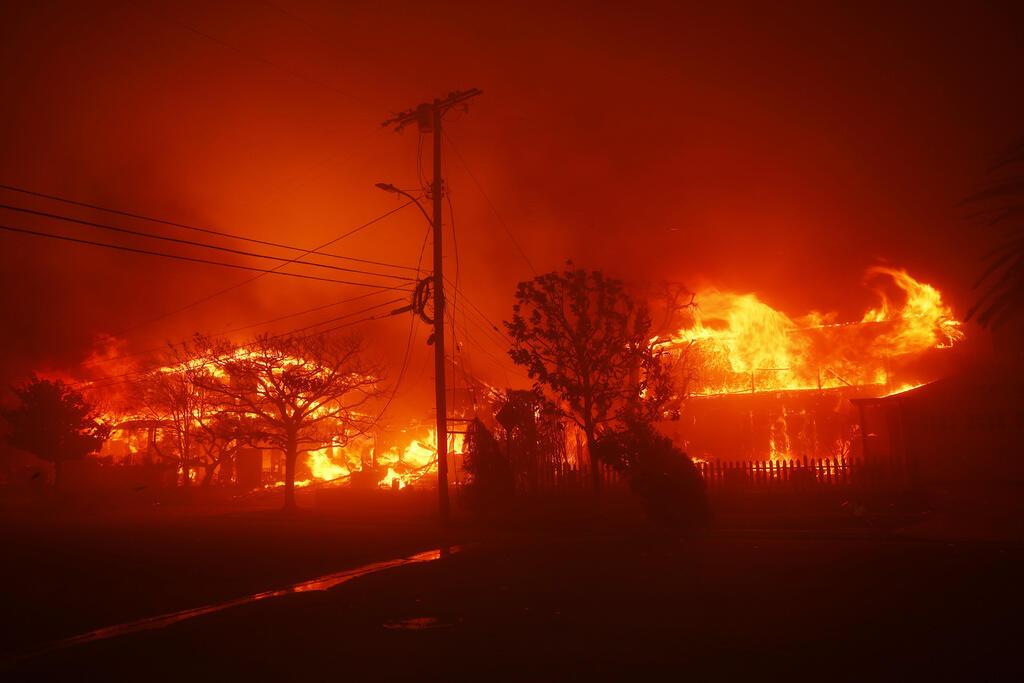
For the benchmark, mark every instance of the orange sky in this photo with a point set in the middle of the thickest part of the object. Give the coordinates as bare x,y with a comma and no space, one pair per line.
760,149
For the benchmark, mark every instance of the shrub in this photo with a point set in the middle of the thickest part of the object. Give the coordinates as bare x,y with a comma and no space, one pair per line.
659,473
490,477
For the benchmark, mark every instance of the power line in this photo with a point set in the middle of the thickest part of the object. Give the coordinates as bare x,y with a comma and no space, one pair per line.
467,318
362,296
458,274
486,325
186,226
429,117
237,285
308,310
469,357
340,327
505,367
191,259
498,344
476,308
340,317
494,209
457,307
297,18
140,233
408,341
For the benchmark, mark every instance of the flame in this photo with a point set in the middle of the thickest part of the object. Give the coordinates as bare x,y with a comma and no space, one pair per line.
322,467
737,343
407,465
923,321
906,386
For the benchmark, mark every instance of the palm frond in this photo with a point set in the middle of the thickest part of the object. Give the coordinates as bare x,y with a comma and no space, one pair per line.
1002,279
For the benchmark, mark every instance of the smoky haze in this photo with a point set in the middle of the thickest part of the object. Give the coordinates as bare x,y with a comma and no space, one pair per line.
776,150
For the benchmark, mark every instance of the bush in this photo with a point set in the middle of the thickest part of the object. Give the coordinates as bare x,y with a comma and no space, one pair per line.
491,482
659,473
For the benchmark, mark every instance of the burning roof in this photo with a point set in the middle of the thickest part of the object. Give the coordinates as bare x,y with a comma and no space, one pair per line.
735,343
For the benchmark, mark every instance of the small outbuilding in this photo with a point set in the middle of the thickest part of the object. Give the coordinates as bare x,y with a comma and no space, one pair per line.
968,427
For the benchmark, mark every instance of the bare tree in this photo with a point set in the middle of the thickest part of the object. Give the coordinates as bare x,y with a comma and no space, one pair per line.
176,396
582,337
297,393
221,438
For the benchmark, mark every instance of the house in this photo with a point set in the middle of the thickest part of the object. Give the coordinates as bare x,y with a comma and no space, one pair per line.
968,427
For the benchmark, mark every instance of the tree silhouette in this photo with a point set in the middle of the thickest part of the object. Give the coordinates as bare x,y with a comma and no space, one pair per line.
221,438
491,481
662,475
534,435
295,393
53,422
1002,281
580,335
178,398
196,431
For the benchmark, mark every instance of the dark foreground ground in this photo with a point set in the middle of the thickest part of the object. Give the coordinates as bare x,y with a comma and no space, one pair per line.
533,600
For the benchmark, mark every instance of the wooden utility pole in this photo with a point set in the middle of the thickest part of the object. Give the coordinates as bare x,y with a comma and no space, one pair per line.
428,117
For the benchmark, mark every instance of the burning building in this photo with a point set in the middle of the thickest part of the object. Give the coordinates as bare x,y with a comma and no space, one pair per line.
233,415
760,386
764,386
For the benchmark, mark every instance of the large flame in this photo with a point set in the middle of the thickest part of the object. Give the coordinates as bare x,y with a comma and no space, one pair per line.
737,343
400,466
395,467
923,321
732,343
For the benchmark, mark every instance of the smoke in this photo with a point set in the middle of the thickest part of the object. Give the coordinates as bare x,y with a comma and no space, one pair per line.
761,150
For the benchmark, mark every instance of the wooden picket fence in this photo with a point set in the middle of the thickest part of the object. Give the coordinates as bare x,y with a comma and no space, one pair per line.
801,474
564,477
796,475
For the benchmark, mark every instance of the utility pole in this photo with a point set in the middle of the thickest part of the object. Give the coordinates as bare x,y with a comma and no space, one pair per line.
428,118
